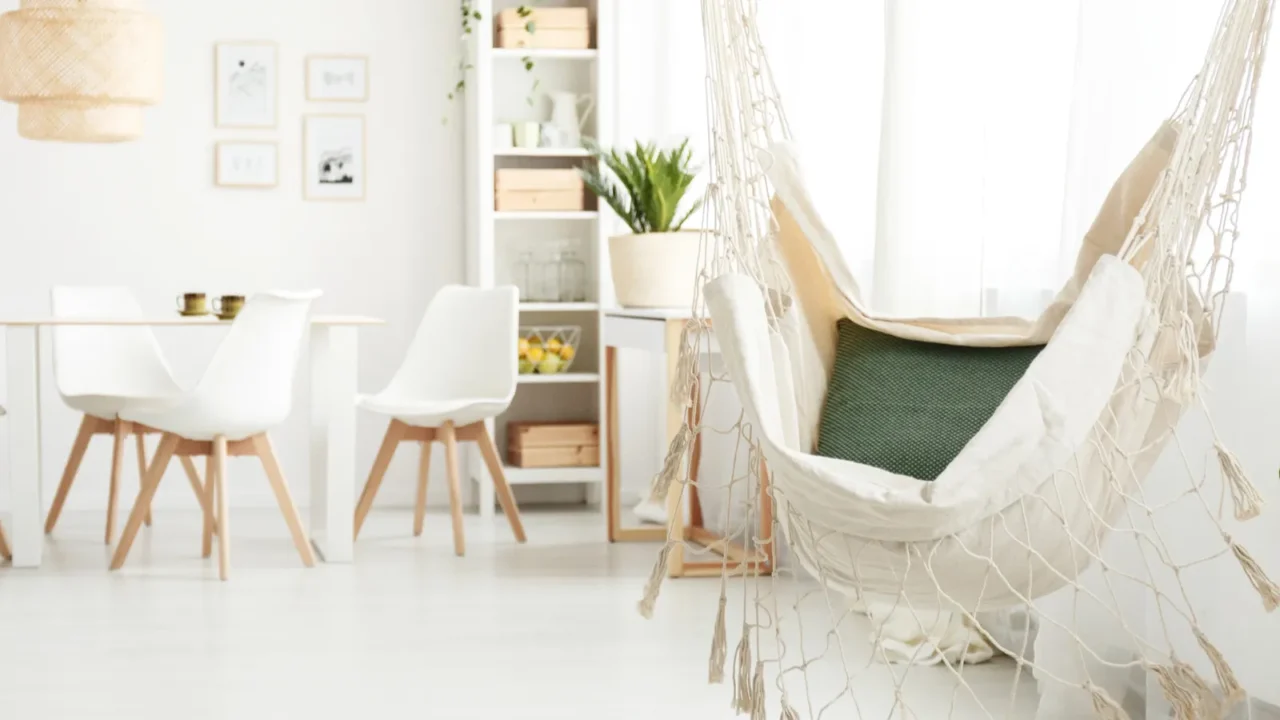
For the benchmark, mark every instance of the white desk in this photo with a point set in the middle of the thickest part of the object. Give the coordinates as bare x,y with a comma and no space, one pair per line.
333,427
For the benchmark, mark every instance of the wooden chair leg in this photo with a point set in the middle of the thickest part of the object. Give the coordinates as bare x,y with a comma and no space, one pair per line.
155,473
193,477
142,466
87,424
450,440
5,553
420,506
224,534
123,428
207,502
505,497
395,433
262,444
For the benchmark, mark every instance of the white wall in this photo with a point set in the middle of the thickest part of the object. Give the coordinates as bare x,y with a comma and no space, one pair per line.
146,214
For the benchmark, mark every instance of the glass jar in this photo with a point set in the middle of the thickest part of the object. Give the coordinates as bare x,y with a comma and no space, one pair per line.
547,274
522,276
573,277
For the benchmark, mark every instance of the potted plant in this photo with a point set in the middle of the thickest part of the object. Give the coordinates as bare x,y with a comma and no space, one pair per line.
657,263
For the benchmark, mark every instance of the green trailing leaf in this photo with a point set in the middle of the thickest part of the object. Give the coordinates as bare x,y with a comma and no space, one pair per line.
644,186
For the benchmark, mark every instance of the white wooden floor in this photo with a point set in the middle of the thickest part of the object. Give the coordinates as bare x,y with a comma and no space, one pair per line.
545,630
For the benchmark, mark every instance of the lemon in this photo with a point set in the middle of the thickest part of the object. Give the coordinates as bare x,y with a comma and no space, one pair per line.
549,365
535,354
553,345
567,352
524,347
526,367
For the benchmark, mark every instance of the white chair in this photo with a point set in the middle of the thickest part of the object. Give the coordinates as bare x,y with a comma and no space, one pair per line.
101,371
5,553
460,371
247,389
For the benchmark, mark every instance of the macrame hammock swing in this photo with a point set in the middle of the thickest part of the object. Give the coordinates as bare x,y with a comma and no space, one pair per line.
1024,509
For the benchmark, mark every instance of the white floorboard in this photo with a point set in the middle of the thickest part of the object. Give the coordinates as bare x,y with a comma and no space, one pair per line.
545,630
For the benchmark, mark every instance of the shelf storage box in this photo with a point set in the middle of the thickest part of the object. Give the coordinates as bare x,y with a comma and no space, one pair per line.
553,28
527,189
543,445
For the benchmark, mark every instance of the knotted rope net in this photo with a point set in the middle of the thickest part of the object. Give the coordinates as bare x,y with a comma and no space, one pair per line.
802,645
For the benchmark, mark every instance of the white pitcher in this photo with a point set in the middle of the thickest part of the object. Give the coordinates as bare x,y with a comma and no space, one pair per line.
567,118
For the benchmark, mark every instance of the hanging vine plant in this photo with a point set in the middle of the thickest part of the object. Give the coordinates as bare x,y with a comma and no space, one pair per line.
525,13
469,21
470,16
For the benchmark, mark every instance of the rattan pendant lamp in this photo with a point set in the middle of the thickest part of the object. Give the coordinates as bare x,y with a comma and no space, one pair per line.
81,70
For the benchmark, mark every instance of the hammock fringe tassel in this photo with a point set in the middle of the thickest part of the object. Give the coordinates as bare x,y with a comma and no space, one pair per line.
742,676
1103,706
1187,692
757,693
719,644
1232,692
1244,495
682,387
673,463
654,586
1266,587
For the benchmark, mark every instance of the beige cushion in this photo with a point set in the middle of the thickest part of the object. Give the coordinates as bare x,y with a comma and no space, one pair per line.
827,292
1115,219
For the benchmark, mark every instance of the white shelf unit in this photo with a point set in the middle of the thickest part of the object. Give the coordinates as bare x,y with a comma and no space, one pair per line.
544,54
562,307
545,215
553,476
559,378
497,91
541,152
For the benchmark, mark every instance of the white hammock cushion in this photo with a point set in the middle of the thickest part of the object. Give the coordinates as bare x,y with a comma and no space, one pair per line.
855,511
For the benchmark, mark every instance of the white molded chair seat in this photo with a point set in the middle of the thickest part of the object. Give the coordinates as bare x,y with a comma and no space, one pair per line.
103,371
434,413
460,372
246,390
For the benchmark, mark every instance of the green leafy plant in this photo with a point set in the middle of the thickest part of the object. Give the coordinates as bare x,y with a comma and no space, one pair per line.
647,187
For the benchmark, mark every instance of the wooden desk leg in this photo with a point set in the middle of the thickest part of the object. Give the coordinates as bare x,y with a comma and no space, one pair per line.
613,479
694,418
675,419
766,519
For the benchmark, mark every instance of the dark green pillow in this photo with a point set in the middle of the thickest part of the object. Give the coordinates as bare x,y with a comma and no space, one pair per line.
910,407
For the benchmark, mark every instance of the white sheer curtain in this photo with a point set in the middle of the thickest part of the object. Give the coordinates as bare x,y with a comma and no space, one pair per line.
959,150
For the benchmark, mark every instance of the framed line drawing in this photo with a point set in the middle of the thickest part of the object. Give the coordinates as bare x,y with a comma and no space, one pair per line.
246,164
337,78
246,92
333,156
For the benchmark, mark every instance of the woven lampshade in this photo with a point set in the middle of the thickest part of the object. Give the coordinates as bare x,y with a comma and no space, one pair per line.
81,70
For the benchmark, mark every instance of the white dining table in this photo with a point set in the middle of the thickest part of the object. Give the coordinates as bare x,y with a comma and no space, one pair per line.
332,352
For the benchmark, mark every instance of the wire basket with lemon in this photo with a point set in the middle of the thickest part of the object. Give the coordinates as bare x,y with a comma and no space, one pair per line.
548,349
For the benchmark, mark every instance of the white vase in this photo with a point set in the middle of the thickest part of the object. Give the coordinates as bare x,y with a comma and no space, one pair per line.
655,270
568,118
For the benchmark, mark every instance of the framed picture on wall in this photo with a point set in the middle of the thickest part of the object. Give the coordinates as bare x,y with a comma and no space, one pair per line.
338,78
246,93
334,162
247,164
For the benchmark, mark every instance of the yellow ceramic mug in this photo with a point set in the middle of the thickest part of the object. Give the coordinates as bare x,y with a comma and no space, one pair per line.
193,304
228,306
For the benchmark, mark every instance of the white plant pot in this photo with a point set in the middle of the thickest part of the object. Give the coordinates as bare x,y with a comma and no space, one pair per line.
655,270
